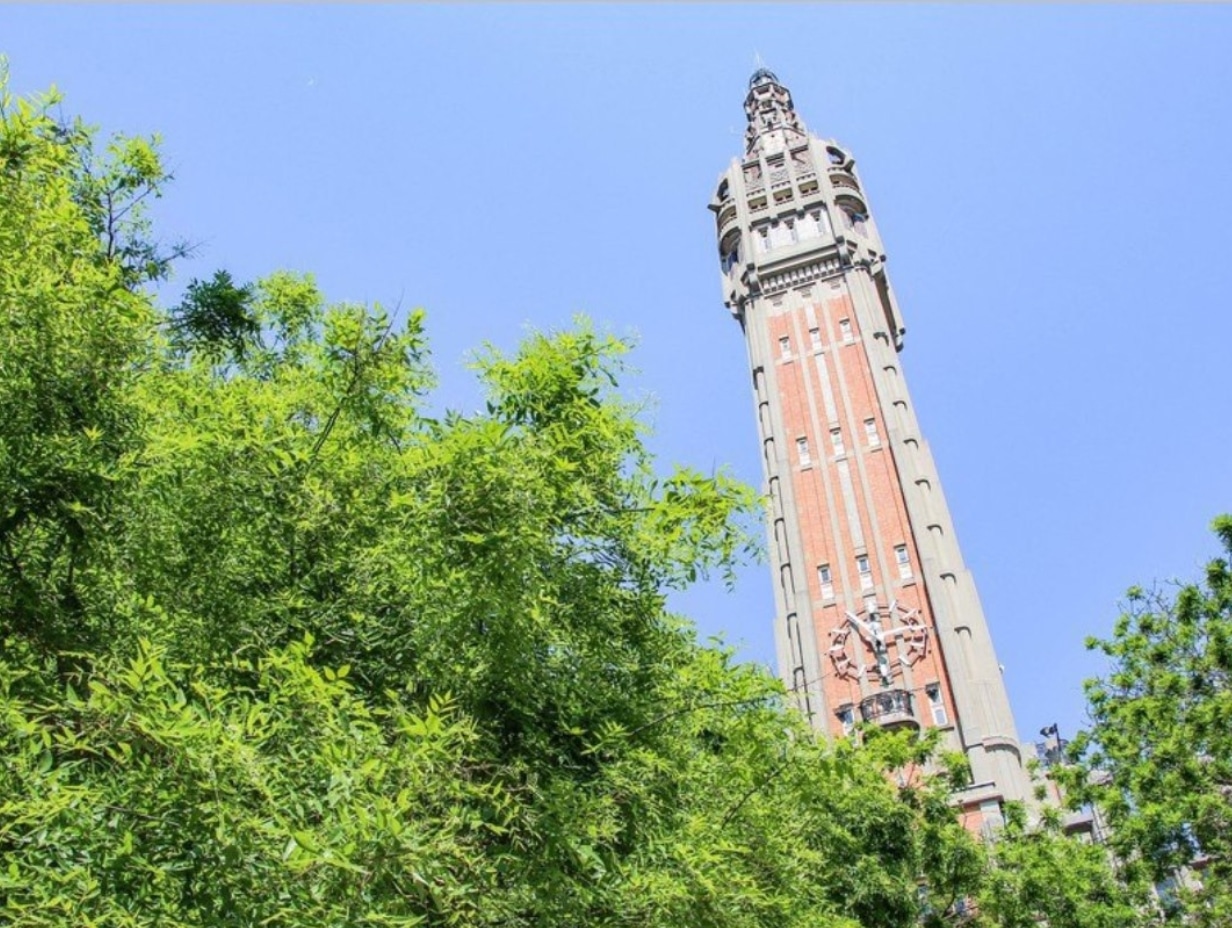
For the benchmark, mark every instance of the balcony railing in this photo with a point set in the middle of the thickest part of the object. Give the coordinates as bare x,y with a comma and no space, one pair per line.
889,709
840,178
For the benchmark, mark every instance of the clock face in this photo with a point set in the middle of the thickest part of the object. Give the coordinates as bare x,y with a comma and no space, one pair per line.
875,643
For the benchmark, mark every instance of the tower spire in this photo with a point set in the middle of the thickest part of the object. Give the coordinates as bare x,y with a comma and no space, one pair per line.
773,123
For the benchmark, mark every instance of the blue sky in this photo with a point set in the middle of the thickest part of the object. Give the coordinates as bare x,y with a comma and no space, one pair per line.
1052,185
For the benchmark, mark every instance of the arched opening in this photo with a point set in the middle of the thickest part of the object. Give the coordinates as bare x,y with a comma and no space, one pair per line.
729,251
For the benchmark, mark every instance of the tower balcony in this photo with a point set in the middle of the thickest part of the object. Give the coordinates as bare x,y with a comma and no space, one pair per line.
890,709
843,179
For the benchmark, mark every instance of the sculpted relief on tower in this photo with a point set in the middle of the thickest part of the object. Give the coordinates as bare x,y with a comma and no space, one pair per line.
874,644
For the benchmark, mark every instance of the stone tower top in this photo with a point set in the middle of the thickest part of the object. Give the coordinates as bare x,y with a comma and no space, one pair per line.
761,76
773,123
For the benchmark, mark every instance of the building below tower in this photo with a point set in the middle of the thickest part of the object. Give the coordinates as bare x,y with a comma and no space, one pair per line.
878,620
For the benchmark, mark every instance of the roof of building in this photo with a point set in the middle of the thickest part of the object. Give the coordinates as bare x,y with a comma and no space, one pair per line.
763,76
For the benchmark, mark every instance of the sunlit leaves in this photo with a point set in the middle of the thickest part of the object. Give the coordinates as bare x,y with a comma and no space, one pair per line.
1158,757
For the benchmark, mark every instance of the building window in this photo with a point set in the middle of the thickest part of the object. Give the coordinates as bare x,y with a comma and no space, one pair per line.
904,561
784,347
826,579
847,718
865,571
815,337
936,703
836,440
994,818
777,237
807,226
844,328
763,239
792,232
802,451
729,251
870,432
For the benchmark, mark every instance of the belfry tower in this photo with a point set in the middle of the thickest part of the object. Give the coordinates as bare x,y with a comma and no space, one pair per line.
878,619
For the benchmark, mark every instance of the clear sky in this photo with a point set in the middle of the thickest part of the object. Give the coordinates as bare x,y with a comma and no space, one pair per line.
1053,186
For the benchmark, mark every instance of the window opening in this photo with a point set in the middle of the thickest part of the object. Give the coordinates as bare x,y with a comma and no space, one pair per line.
936,703
847,718
865,570
802,451
826,579
870,431
904,561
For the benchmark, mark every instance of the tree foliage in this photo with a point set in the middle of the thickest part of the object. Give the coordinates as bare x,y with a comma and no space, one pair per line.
1158,756
1041,876
277,647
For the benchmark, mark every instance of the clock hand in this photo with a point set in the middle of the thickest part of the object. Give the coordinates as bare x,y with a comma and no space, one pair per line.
865,629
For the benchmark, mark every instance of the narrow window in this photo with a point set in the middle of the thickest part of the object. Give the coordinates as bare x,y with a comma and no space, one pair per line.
791,231
847,718
826,579
844,327
870,431
815,337
784,347
836,439
823,223
763,239
936,703
802,450
904,561
865,571
808,226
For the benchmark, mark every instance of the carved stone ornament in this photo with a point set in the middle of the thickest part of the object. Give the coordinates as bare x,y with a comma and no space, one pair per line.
878,640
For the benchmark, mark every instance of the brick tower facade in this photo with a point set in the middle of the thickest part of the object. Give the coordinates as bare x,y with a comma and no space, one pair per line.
878,619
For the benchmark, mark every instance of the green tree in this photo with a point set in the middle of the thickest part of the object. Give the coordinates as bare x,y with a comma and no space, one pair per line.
73,341
1038,875
1158,755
